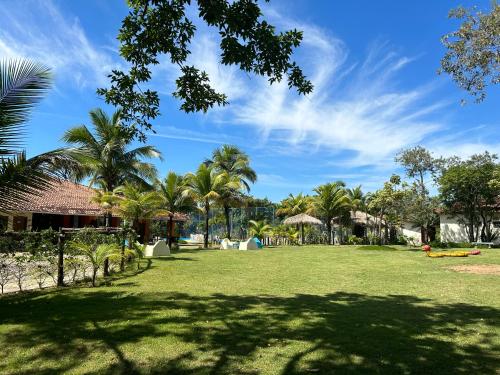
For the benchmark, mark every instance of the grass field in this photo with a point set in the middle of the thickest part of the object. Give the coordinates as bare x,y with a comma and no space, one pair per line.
277,311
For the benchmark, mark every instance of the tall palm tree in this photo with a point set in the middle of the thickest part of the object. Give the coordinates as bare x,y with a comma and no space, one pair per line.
231,160
205,187
105,154
174,200
357,198
23,83
331,201
107,200
136,204
294,205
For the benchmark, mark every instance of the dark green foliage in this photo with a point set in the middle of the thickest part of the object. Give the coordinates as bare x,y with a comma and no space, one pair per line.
473,51
160,27
467,192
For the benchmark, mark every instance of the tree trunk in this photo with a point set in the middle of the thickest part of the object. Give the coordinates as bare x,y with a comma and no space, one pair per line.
94,276
207,212
227,214
106,267
60,260
122,259
329,230
108,218
471,229
170,231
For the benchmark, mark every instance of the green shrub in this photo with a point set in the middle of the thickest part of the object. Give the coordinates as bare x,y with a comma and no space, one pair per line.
354,240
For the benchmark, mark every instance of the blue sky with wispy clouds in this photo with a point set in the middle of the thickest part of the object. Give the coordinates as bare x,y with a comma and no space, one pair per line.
373,65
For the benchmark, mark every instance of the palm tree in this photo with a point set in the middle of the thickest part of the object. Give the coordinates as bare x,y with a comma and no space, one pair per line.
231,160
331,201
104,154
174,200
294,205
135,205
23,83
205,187
107,200
259,229
97,254
357,198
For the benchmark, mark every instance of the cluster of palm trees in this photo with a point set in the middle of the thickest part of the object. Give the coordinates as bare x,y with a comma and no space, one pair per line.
129,186
331,201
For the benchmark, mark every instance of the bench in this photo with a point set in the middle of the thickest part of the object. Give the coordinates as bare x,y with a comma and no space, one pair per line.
490,244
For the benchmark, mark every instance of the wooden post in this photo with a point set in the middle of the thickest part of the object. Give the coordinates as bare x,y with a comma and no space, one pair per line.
60,260
303,240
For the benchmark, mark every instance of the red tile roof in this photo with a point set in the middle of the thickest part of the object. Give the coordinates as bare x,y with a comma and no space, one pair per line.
68,198
63,198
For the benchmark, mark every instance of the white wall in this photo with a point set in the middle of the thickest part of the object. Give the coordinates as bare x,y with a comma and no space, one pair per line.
412,231
453,231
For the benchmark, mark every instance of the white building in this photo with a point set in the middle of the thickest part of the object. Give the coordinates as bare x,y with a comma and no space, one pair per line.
453,229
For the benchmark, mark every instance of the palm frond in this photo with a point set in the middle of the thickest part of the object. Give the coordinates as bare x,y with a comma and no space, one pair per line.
23,83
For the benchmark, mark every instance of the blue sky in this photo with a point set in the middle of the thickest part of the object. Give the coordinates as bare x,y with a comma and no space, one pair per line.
376,90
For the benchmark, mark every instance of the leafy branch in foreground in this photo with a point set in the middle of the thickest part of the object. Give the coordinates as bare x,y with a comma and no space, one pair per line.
474,50
160,27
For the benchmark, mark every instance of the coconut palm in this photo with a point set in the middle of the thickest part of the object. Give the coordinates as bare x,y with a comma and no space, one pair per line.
137,204
331,201
23,83
259,229
105,154
107,200
357,198
231,160
294,205
205,187
174,200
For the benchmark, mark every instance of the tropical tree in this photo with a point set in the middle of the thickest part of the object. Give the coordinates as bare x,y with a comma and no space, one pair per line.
136,204
205,187
294,205
156,28
357,198
105,155
231,160
468,191
331,200
473,51
420,164
259,229
23,83
96,254
174,200
108,201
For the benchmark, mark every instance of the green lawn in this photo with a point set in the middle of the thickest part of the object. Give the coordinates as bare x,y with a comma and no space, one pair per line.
287,310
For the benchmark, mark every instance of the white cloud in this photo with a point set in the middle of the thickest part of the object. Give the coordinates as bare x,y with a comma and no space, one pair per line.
38,30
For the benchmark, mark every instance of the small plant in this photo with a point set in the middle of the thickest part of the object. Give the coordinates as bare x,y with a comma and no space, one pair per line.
5,270
38,269
354,240
20,269
96,254
373,239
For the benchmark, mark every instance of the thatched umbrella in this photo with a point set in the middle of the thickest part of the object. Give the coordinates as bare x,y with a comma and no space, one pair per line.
302,219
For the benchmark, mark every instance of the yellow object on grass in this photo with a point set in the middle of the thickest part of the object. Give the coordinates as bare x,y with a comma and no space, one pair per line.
442,254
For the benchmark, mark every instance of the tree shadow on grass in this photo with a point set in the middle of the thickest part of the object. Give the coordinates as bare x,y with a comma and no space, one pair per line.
334,333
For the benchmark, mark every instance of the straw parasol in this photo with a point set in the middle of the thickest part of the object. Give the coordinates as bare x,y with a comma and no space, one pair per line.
302,219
